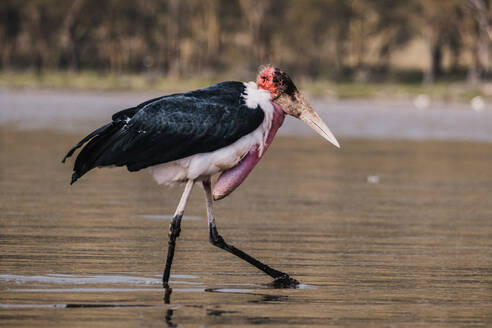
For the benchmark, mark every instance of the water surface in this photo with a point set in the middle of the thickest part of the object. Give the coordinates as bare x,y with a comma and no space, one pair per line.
383,233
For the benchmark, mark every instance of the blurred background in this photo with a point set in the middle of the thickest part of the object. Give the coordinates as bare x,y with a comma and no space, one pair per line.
393,229
403,42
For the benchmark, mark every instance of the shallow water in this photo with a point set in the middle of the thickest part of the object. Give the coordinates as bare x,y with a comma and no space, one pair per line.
382,233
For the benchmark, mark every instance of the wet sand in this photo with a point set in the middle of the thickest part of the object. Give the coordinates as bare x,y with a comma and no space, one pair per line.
381,233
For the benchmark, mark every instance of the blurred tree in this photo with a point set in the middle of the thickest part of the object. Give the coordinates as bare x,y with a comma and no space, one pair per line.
10,27
311,38
437,21
313,32
391,29
480,32
264,19
68,40
41,22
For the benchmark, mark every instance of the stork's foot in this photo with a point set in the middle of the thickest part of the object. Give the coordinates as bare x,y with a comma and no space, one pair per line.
281,279
285,281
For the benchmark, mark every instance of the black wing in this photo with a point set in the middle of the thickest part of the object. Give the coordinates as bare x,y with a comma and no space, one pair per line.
169,128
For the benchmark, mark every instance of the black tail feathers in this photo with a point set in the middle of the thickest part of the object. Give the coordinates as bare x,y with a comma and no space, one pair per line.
83,141
85,161
75,177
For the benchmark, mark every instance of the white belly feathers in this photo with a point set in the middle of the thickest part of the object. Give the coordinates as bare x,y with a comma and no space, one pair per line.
206,164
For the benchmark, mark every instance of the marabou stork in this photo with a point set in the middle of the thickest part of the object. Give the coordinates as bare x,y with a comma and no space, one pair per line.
186,137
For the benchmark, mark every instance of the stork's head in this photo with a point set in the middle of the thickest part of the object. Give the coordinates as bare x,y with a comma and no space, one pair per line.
285,93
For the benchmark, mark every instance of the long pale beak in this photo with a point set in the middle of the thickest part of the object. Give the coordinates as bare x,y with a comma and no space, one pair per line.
311,118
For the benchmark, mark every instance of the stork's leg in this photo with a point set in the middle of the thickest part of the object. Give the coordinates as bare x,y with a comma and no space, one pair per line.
281,279
174,230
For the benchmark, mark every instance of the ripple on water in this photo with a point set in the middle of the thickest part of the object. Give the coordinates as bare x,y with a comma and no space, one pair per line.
166,217
95,279
411,250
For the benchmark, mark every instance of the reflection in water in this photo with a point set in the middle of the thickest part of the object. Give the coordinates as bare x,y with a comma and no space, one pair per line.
413,249
169,311
228,290
81,280
85,290
69,305
218,313
266,298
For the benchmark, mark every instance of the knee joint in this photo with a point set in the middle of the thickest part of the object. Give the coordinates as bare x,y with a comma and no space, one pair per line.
215,239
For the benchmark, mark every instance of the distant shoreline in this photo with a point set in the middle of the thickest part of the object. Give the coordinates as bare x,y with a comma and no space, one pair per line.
444,91
82,111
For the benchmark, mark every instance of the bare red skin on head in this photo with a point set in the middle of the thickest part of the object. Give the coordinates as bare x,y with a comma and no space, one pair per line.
265,80
230,179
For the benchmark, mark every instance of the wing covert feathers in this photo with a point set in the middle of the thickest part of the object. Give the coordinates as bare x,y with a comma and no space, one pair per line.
169,128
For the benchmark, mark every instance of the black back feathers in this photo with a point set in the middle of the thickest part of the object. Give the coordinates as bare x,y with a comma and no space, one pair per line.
168,128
